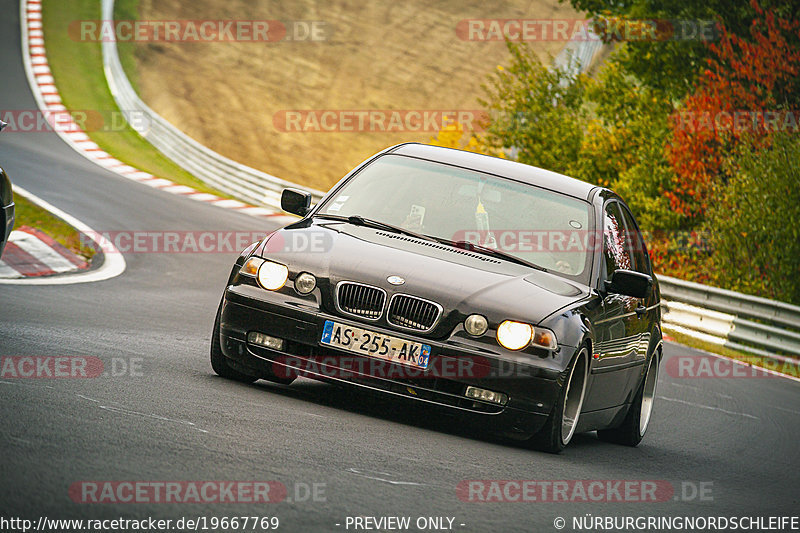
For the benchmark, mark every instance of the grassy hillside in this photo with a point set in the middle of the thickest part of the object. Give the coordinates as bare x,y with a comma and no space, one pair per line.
78,70
377,56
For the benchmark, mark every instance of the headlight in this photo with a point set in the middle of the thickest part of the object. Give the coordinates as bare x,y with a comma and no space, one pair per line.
272,276
517,335
476,325
514,335
305,283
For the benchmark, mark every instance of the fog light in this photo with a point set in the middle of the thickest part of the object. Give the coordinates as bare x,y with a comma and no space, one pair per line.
305,283
486,395
273,343
476,325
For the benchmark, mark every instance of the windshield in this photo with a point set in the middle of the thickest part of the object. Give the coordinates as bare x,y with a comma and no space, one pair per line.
454,204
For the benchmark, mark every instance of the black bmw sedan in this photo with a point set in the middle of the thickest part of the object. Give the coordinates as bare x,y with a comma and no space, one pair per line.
519,297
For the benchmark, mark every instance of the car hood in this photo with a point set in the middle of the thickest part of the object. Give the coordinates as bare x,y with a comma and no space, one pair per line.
461,282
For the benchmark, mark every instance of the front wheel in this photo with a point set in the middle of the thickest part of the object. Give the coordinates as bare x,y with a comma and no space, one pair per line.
559,429
633,428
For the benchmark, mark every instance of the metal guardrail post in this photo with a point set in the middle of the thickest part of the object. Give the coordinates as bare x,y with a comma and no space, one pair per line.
739,321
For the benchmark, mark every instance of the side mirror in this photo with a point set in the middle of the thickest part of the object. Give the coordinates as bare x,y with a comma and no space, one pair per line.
2,125
295,202
629,283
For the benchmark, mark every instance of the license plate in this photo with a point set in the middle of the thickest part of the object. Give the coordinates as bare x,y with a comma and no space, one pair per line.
366,342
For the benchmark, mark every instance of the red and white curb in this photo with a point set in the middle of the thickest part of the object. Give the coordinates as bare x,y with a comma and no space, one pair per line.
31,252
24,255
49,101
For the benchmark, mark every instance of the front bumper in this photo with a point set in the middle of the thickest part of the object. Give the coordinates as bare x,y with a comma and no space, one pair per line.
531,390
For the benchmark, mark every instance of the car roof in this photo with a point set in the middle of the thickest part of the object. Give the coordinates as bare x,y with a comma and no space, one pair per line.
498,166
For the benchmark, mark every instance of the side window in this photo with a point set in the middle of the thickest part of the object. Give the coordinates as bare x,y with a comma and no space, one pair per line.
641,262
616,251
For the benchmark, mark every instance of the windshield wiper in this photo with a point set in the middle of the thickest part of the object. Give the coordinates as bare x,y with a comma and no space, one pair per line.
472,247
358,220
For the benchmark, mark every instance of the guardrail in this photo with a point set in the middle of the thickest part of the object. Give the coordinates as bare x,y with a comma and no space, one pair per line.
215,169
577,55
738,321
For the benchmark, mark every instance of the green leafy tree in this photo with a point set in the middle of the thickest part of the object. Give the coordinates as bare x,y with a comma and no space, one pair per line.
623,146
753,226
537,112
672,62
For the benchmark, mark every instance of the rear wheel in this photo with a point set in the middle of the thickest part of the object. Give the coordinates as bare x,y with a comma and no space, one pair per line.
633,428
563,420
218,361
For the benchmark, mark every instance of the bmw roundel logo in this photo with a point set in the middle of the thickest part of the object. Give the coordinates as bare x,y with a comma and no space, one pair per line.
395,280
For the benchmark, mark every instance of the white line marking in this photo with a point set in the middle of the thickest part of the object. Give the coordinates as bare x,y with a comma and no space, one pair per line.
726,396
701,406
122,410
87,398
363,473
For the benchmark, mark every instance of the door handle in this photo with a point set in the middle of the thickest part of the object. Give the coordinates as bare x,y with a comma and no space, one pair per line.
641,310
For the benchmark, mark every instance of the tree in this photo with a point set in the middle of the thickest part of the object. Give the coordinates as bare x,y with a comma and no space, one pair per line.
747,84
672,62
536,112
753,225
453,136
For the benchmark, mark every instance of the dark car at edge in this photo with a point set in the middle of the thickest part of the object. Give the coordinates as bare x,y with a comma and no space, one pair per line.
520,298
6,205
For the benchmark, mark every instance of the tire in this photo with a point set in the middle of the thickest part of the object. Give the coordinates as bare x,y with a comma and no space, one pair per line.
218,361
560,426
633,428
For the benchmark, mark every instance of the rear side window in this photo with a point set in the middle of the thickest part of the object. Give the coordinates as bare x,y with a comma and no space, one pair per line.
641,262
616,250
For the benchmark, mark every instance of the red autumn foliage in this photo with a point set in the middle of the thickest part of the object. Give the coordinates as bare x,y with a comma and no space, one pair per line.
746,92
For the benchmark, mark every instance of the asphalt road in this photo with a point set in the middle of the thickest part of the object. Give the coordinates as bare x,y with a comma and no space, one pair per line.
173,419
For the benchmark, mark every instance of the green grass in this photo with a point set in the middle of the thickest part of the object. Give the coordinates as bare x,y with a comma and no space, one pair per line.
78,71
30,214
752,359
128,10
